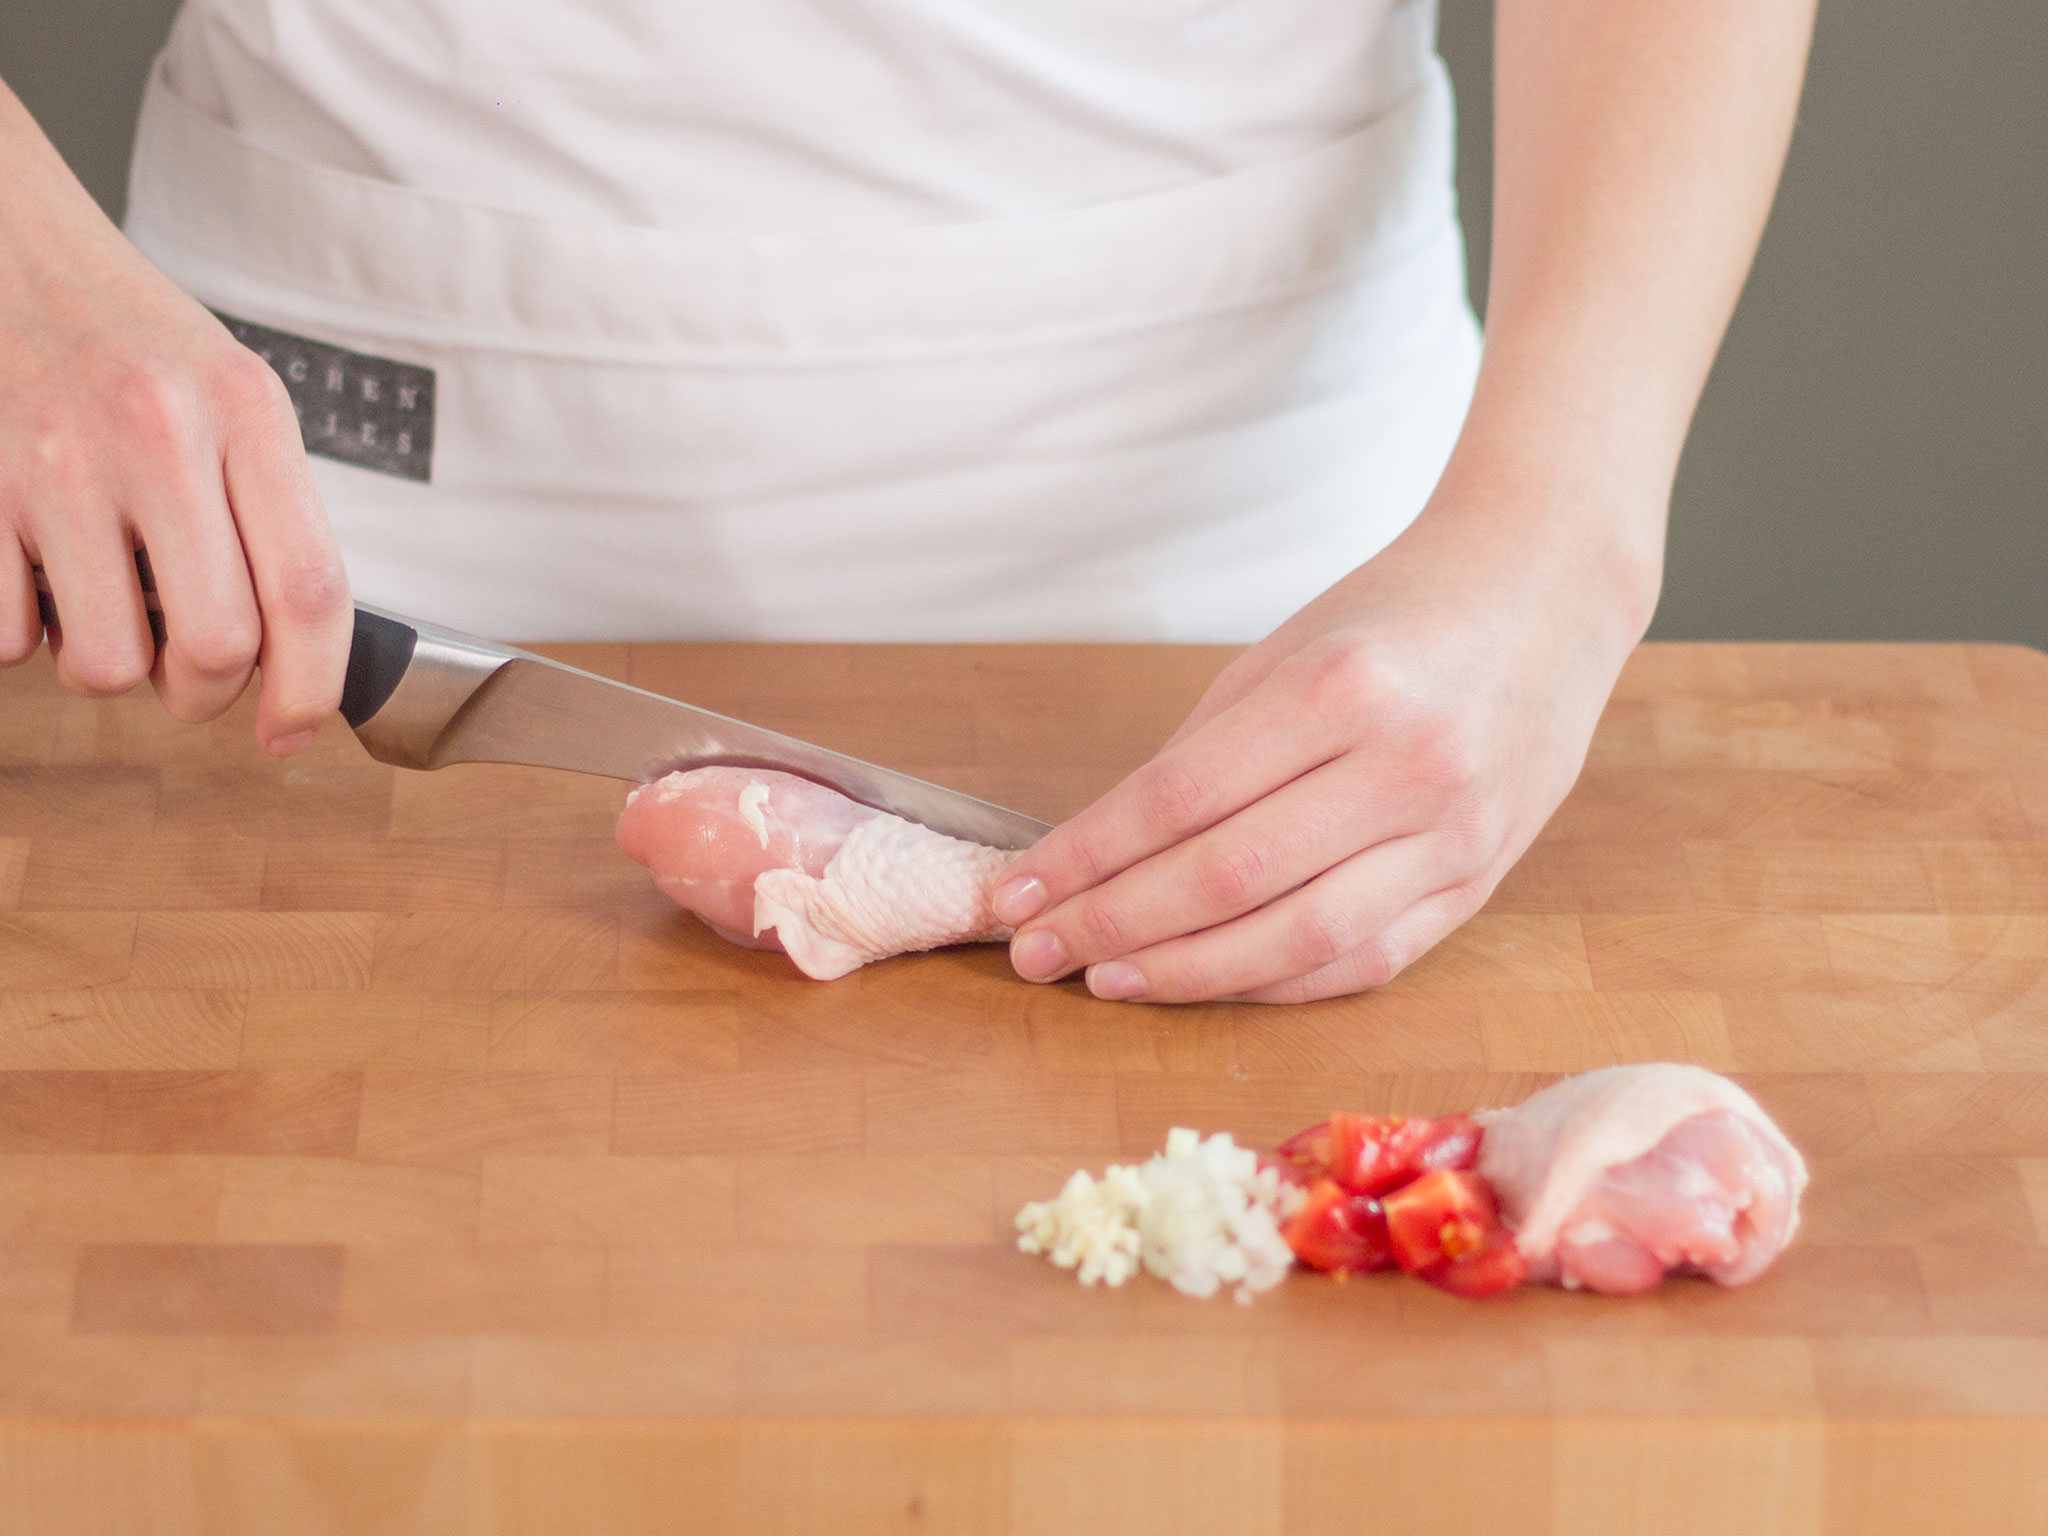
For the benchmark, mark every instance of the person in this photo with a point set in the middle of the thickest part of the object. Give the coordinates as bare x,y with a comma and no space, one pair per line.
922,320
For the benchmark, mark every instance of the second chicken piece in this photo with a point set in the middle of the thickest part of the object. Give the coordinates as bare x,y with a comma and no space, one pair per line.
1614,1178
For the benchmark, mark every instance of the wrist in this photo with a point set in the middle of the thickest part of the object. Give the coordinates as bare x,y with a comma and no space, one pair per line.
1542,521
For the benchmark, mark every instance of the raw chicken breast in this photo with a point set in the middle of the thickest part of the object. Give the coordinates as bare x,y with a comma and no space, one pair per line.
1614,1178
773,861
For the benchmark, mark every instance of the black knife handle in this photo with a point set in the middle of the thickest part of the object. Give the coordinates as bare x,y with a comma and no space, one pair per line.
377,659
46,600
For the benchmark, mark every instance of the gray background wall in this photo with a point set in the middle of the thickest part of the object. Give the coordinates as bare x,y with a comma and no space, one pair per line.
1871,457
1870,460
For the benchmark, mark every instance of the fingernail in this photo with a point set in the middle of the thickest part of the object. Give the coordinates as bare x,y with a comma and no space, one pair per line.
1018,901
1116,981
285,746
1039,956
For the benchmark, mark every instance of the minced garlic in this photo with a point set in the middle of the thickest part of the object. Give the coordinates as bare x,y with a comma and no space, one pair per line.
1200,1215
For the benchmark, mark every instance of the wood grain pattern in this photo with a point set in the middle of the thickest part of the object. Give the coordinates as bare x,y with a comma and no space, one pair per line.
380,1152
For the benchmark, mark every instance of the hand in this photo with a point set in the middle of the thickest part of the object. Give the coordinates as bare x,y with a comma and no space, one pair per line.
130,418
1353,788
1349,790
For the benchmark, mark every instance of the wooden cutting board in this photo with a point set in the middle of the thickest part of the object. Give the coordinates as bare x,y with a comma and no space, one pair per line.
379,1152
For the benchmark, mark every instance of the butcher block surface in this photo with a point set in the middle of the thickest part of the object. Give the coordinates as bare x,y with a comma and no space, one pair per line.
380,1152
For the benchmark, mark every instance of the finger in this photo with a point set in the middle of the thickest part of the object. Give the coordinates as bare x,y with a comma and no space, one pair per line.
1334,915
1291,836
1404,941
21,624
211,627
301,587
101,639
1272,736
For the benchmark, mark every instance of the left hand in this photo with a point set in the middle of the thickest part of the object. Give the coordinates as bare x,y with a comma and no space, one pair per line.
1353,787
1349,790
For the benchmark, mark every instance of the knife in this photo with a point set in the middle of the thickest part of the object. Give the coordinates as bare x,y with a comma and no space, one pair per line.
421,696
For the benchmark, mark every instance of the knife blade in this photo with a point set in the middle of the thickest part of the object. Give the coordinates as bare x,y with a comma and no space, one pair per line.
421,696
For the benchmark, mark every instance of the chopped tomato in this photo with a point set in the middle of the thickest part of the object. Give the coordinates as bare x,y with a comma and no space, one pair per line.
1494,1267
1308,1150
1445,1228
1288,1172
1339,1232
1371,1154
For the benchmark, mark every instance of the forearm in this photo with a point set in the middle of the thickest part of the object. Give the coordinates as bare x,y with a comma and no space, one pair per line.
22,144
30,167
1638,147
41,202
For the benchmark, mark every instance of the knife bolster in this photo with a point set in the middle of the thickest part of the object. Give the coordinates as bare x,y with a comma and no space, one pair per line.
437,672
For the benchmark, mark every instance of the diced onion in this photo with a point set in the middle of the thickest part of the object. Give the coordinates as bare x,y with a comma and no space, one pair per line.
1201,1215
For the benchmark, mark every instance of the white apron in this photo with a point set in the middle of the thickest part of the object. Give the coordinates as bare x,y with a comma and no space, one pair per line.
1169,417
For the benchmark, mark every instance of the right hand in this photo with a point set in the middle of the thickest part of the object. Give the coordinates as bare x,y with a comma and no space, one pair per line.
129,417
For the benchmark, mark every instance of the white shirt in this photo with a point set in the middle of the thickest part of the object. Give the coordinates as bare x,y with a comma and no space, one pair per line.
793,115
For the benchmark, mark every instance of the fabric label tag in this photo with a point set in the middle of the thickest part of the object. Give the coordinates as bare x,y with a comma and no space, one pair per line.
363,410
